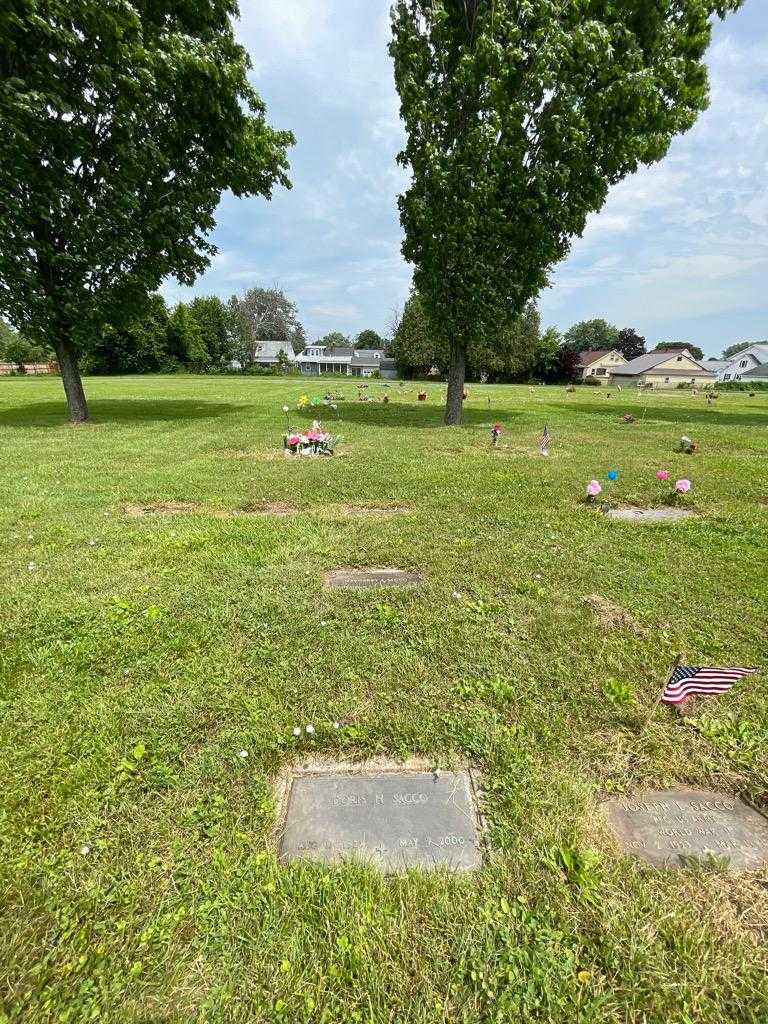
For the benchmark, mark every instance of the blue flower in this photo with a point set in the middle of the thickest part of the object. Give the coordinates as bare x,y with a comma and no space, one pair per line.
613,474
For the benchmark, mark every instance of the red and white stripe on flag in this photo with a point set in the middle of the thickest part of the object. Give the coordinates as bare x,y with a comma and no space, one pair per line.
687,680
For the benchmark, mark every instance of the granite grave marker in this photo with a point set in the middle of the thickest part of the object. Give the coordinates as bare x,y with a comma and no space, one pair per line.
365,579
395,819
668,827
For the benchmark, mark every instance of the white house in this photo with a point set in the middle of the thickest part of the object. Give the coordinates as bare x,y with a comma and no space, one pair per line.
599,363
749,358
319,360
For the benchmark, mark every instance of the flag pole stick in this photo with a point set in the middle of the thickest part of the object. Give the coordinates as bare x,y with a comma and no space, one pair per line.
675,664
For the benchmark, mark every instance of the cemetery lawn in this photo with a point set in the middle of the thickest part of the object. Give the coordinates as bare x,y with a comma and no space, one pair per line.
142,655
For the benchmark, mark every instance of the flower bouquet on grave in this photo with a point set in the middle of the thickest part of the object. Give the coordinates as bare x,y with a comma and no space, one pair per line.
628,418
292,443
422,396
688,446
495,434
677,496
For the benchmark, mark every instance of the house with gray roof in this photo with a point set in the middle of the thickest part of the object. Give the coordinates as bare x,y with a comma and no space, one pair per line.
267,353
741,363
320,360
663,369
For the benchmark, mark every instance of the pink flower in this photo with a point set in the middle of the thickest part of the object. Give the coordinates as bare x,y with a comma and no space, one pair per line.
662,474
293,439
682,486
593,488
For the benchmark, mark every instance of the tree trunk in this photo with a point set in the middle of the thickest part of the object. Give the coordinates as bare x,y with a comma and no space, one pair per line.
456,377
70,376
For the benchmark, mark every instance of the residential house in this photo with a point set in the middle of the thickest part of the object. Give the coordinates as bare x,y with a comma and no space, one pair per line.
663,369
757,375
319,360
750,357
599,364
718,366
267,353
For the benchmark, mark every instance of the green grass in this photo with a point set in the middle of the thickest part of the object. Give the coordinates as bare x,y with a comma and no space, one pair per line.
134,670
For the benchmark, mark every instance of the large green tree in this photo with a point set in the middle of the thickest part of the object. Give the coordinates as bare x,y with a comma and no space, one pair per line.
520,115
591,335
122,124
370,339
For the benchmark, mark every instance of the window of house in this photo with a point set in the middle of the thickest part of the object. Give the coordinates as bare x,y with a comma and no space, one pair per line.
726,376
679,359
666,380
743,363
601,371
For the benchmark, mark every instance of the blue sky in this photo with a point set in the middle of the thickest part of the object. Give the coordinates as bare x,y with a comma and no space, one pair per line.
680,250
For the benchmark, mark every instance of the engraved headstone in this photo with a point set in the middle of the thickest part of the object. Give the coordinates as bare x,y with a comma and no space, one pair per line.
649,515
667,828
364,579
395,819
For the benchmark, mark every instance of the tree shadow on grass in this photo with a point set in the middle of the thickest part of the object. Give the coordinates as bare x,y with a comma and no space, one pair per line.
396,414
115,410
712,417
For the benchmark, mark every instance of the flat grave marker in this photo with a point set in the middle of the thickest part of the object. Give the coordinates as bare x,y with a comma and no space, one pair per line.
397,820
366,579
650,515
666,828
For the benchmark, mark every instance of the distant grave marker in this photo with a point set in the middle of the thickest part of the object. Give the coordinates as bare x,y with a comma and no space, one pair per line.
395,819
668,827
650,515
366,579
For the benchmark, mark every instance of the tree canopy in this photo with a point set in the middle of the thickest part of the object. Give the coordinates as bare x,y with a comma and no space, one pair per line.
591,336
335,339
263,314
630,343
369,339
123,123
519,118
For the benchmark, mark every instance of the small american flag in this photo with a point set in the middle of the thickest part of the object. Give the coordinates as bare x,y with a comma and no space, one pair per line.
545,441
687,680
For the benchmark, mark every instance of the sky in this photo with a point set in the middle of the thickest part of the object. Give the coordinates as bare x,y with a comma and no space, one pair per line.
679,251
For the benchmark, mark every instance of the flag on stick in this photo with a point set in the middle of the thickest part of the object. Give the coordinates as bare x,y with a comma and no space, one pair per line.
544,448
687,680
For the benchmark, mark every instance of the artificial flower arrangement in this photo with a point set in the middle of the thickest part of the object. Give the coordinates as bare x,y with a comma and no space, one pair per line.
314,441
681,487
422,396
628,417
495,433
688,446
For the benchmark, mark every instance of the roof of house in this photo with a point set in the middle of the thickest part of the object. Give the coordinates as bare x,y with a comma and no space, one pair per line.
756,371
717,364
759,350
371,356
591,355
649,361
272,349
327,353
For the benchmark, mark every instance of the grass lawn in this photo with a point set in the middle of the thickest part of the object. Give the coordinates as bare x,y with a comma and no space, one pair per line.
141,654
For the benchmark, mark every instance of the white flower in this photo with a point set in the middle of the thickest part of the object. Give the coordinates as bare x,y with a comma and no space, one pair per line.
242,753
91,543
336,725
323,623
31,566
85,850
285,408
310,729
456,595
296,731
126,671
29,536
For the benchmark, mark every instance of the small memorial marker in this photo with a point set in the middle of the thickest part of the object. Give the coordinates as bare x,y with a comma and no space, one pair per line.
365,579
668,827
649,515
395,819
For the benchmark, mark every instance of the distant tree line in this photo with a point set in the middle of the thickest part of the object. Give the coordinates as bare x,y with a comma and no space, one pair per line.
521,352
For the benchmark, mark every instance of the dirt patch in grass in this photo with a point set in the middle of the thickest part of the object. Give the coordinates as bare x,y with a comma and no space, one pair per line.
162,508
267,508
360,511
610,616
